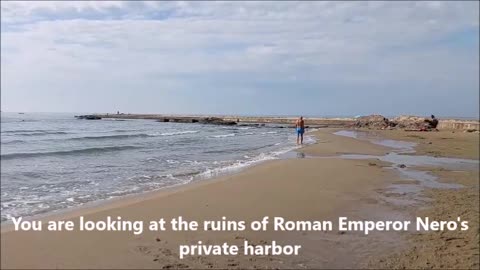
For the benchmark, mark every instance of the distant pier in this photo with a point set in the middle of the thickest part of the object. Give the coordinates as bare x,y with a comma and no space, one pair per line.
232,120
450,124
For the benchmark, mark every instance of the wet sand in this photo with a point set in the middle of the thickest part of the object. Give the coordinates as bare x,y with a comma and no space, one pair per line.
444,143
296,189
449,249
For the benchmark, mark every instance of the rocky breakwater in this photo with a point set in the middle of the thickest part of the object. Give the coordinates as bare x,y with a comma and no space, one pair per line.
468,125
201,120
163,118
88,117
407,122
317,122
374,121
216,121
284,122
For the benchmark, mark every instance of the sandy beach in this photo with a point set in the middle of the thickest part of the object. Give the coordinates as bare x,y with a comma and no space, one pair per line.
240,135
317,185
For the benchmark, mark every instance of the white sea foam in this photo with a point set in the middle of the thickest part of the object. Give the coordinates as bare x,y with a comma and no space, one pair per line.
241,164
224,135
174,133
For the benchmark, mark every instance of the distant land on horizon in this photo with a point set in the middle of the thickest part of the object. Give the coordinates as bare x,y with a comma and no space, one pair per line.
248,115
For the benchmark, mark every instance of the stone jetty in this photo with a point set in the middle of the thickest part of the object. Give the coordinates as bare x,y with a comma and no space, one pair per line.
317,122
232,120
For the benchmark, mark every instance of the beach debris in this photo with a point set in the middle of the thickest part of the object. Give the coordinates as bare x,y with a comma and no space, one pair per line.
158,239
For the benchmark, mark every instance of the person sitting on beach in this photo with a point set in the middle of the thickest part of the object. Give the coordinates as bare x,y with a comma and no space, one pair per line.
431,124
300,127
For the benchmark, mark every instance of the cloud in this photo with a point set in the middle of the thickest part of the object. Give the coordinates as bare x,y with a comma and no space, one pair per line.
178,46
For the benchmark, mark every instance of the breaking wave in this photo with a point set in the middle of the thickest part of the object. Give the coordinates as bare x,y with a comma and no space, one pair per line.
92,150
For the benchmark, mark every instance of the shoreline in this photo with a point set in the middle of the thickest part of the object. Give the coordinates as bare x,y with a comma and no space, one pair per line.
197,201
347,188
217,174
105,204
129,199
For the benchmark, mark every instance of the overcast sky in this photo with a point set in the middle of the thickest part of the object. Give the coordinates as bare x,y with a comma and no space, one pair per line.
273,58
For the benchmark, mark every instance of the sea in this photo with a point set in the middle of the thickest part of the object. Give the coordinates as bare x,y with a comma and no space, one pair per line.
53,161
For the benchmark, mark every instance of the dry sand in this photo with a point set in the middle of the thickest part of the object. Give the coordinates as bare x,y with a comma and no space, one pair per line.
296,189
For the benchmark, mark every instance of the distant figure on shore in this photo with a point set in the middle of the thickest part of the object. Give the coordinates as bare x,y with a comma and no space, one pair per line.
300,127
431,123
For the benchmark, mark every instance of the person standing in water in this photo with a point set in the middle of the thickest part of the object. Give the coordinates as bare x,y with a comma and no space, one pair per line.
300,127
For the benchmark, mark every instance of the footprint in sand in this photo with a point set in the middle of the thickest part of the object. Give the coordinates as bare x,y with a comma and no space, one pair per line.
144,249
166,251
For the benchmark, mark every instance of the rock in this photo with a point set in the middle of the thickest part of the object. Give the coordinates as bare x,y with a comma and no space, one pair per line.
402,166
409,122
88,117
375,121
216,121
402,122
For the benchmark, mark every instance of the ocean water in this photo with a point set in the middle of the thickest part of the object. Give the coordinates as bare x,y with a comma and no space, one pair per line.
54,161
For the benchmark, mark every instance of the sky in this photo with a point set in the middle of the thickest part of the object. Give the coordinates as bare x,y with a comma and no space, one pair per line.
250,58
